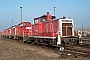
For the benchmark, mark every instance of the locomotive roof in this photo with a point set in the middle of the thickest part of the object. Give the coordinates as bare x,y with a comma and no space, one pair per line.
44,16
24,22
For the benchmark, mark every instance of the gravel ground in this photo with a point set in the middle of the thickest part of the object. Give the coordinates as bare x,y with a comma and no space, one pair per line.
11,50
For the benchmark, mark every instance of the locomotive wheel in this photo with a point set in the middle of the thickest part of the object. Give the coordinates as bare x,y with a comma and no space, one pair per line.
24,41
67,41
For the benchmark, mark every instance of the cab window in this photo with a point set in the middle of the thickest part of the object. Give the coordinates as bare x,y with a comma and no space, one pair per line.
42,20
36,21
22,24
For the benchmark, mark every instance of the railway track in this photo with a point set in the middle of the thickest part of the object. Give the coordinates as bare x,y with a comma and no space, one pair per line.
85,37
67,52
76,51
72,53
85,53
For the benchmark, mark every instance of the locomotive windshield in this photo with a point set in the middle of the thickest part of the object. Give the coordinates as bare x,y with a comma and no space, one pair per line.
42,20
36,21
25,24
22,24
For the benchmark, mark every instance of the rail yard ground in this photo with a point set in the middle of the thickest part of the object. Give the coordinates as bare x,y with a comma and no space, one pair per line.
14,50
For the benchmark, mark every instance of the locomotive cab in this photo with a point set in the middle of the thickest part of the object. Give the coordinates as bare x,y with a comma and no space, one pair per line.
40,22
24,30
56,31
44,18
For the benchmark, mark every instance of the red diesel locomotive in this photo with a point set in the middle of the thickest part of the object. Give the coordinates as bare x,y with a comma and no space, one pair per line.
45,30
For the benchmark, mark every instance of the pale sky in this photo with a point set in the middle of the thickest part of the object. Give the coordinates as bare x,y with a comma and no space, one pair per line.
79,10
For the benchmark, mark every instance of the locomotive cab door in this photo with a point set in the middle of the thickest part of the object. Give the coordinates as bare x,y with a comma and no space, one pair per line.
36,21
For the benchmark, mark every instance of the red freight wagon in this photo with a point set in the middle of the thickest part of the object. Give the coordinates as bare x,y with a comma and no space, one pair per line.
9,32
4,32
19,31
13,31
23,29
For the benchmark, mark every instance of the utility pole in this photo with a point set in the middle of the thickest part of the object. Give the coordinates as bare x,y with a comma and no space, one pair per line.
82,26
23,26
21,14
82,29
54,11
